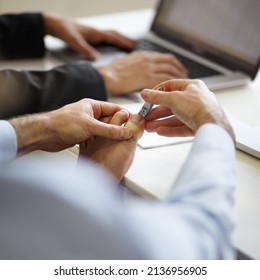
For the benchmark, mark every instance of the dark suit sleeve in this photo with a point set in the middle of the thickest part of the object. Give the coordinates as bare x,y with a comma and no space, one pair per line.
26,92
21,35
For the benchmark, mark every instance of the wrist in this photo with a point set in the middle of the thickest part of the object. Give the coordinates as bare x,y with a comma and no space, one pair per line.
32,132
108,77
50,22
219,118
229,129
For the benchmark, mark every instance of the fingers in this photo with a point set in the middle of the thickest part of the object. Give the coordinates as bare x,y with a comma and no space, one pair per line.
78,44
110,131
103,109
169,69
114,129
168,122
120,117
136,124
98,116
179,131
169,60
169,127
158,112
93,36
118,39
170,90
175,84
158,97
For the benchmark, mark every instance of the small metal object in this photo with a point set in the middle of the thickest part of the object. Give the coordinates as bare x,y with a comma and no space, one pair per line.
147,107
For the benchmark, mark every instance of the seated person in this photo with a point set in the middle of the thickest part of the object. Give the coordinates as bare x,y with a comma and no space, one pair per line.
53,212
23,92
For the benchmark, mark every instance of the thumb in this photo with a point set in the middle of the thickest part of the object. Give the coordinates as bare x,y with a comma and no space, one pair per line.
159,97
136,124
111,131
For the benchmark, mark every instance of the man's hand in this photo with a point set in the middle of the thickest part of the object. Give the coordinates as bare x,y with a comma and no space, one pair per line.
140,70
82,38
116,156
70,125
185,105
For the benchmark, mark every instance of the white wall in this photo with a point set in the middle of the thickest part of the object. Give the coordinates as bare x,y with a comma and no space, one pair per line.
75,8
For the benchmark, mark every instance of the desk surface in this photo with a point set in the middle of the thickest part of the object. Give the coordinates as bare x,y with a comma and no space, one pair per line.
243,102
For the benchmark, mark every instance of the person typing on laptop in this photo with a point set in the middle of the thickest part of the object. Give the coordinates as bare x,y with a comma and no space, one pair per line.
51,212
208,39
21,92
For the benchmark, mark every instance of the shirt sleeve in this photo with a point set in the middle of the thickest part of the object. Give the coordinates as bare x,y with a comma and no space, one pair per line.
27,92
8,142
204,192
197,218
21,36
79,216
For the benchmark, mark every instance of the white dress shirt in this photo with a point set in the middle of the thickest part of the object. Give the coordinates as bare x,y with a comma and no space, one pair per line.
54,212
8,142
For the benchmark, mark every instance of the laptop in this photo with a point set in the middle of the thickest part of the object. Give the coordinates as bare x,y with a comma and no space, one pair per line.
249,141
247,137
217,40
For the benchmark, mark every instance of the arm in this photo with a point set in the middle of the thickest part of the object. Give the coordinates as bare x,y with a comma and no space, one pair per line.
194,222
197,218
26,92
94,224
67,126
21,35
202,198
82,38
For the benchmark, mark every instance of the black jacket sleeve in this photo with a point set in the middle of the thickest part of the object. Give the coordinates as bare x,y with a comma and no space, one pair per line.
26,92
21,35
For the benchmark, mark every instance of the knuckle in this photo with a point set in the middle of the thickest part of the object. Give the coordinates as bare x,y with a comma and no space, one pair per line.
197,82
196,85
145,55
112,131
171,58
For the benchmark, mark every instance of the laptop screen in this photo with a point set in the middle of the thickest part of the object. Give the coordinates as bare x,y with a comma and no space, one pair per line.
225,31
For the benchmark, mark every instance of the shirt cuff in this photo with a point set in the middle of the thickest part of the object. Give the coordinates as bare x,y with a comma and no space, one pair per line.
215,137
8,142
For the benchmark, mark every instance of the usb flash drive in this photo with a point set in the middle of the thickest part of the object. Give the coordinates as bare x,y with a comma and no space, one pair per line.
147,107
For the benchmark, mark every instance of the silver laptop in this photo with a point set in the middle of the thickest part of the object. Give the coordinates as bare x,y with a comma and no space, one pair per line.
217,40
247,137
249,141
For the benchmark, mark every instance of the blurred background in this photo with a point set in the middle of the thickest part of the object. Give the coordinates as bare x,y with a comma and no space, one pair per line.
75,8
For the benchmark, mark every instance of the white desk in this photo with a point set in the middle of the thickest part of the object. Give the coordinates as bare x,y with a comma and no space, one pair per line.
154,178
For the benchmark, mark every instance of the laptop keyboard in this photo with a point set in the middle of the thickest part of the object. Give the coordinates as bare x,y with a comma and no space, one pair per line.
196,70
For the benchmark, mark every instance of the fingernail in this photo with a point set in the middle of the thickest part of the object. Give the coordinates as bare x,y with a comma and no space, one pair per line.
145,92
125,112
136,118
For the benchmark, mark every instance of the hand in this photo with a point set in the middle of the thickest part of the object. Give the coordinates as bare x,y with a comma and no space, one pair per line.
70,125
185,105
116,156
140,70
80,37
